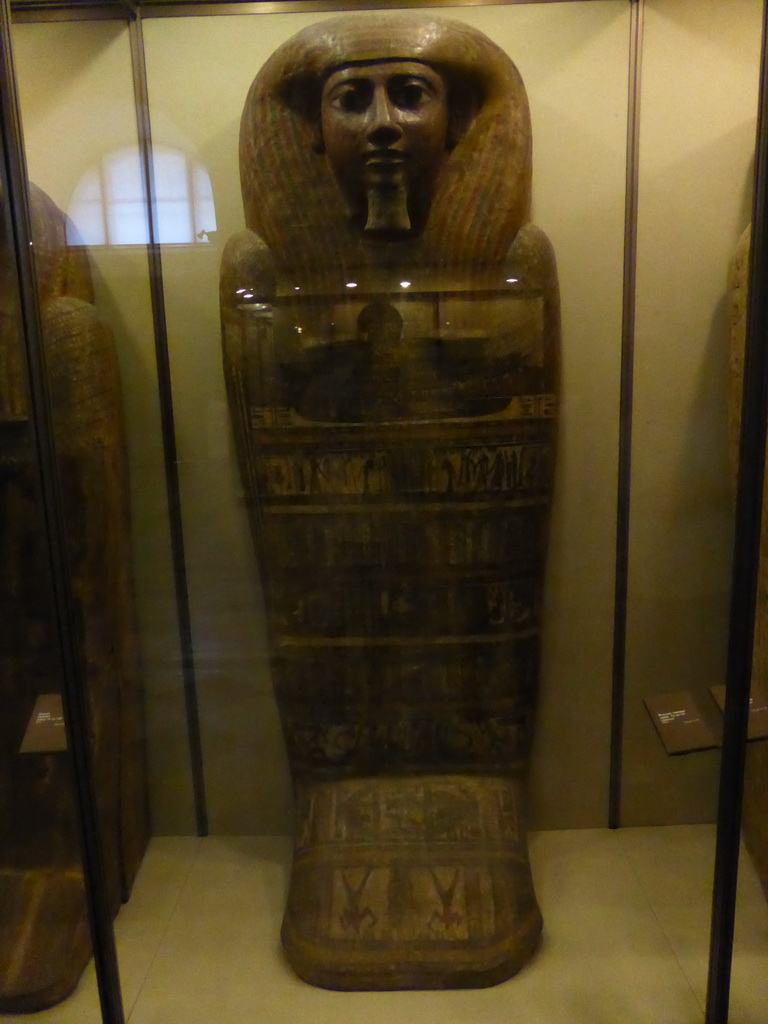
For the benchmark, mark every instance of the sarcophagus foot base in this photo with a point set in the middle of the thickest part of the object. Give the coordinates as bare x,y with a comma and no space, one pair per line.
410,883
44,914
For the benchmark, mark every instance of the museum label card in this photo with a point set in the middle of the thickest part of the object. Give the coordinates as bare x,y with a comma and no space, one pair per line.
758,710
45,733
681,723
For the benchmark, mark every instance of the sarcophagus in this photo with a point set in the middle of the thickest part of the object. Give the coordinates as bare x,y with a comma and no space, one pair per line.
44,934
391,353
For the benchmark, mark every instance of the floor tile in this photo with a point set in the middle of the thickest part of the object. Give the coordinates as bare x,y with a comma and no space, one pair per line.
749,977
626,940
604,958
142,921
139,928
675,867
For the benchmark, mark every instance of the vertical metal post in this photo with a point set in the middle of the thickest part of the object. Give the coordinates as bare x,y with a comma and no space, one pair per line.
746,557
168,427
625,414
16,199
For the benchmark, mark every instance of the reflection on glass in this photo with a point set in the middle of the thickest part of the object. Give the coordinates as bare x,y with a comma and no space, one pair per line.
44,935
44,941
107,206
603,958
749,982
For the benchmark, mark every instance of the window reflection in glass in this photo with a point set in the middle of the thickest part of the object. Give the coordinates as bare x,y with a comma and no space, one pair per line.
108,206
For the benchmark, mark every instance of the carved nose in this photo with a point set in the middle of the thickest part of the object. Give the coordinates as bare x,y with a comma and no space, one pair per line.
383,127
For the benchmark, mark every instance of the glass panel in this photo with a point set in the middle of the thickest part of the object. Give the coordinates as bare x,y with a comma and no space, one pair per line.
81,142
573,59
626,914
86,212
44,930
181,68
695,192
749,989
750,954
123,190
95,59
697,133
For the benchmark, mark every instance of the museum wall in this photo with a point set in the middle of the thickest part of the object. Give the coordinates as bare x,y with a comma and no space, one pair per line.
697,135
697,131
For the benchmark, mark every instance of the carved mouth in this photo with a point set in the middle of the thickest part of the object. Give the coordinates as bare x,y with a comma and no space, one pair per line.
384,158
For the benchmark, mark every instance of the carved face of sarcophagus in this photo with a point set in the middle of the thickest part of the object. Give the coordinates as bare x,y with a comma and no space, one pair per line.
391,338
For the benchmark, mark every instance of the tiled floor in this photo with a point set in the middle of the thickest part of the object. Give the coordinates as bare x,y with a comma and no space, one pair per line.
626,918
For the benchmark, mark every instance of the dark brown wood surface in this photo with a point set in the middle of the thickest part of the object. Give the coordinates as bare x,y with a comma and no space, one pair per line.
394,399
44,940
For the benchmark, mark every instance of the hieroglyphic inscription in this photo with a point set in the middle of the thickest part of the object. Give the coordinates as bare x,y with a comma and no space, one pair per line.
369,813
347,608
342,679
478,743
412,539
514,469
464,706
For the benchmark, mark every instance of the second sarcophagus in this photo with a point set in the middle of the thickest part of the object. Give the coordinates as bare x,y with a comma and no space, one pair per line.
391,340
44,935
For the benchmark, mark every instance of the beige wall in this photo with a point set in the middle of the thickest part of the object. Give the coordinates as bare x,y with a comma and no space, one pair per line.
697,131
698,117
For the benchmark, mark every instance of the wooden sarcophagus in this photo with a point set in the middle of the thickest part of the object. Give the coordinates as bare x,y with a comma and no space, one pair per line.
391,338
44,933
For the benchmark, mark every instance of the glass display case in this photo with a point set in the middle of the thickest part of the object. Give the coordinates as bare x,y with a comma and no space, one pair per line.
313,549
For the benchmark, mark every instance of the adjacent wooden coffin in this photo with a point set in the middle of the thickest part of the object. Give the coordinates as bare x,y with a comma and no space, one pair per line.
44,934
393,394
